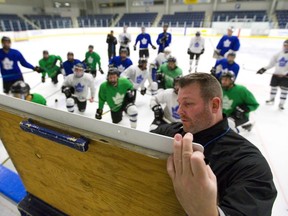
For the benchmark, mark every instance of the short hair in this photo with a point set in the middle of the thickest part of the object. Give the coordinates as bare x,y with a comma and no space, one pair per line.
209,85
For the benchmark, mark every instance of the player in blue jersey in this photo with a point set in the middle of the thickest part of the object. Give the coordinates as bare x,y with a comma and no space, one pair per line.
144,39
225,65
164,39
69,64
227,44
121,62
9,68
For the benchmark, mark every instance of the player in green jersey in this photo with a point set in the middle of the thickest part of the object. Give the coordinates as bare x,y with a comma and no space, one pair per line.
21,90
91,60
238,101
48,65
119,94
167,73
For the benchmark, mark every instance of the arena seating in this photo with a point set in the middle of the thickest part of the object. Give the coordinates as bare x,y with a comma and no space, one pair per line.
282,17
99,20
181,19
137,19
50,22
12,22
225,16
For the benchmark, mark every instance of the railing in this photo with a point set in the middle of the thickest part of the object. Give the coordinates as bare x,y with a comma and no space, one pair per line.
13,25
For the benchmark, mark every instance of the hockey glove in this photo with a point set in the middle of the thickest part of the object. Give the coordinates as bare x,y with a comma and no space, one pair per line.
158,112
68,91
189,52
213,71
202,51
240,111
134,48
126,40
43,79
143,91
160,78
130,96
99,113
38,69
101,71
261,71
154,47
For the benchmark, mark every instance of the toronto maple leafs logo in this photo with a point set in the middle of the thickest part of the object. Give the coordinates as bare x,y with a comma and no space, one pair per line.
90,60
174,112
144,41
196,44
7,64
79,88
227,43
227,103
282,62
118,99
121,68
139,79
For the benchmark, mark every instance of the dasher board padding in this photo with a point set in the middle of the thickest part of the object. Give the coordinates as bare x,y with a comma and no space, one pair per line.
139,138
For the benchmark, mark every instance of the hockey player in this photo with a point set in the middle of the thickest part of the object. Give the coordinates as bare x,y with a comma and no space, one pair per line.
225,65
48,65
167,73
69,64
227,44
124,40
238,101
91,60
121,62
161,58
144,39
196,48
9,68
76,86
111,41
138,75
164,39
280,75
21,90
119,95
169,98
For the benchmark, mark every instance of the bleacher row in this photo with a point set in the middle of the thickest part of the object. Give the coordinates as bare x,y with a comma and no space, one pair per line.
13,22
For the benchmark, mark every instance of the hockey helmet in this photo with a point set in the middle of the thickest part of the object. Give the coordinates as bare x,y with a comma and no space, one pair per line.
123,50
78,70
172,59
228,74
113,71
175,83
167,50
20,89
198,34
142,61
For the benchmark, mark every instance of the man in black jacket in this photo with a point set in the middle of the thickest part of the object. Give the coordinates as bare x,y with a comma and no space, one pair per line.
238,180
111,41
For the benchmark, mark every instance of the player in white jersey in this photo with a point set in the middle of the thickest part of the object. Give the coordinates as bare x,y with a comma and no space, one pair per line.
75,87
124,40
159,60
169,98
138,75
196,48
280,75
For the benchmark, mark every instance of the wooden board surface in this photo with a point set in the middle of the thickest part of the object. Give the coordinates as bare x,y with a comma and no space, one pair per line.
108,179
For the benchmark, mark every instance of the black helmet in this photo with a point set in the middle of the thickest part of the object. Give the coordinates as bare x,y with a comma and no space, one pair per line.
5,38
233,54
171,59
20,87
229,74
113,71
142,61
198,34
123,50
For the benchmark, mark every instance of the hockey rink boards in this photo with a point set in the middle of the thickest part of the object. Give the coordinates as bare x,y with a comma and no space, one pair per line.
109,177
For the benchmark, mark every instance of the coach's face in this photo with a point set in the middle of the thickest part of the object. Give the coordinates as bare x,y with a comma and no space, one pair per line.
6,45
194,111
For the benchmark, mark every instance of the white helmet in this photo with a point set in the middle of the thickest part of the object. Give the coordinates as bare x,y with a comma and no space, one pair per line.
167,50
78,70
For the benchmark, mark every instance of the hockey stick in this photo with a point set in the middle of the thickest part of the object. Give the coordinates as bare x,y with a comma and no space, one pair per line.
111,109
252,70
1,77
36,85
145,93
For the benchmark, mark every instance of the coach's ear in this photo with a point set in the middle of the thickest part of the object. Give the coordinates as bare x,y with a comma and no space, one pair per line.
216,104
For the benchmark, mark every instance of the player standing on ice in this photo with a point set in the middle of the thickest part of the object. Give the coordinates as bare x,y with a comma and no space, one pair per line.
76,86
9,68
69,64
144,39
238,101
167,73
138,75
121,62
227,44
48,65
196,48
161,58
279,77
124,40
164,39
91,60
111,41
225,65
119,95
169,98
21,90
